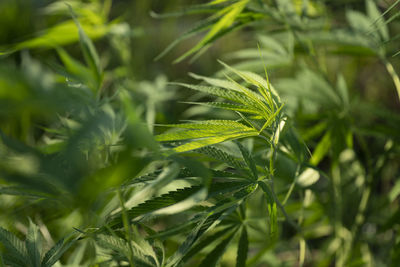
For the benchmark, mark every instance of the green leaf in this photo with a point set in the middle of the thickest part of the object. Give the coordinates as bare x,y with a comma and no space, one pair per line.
204,242
189,134
226,106
154,204
56,252
378,20
342,89
249,161
226,84
211,125
232,12
360,23
214,140
15,250
235,96
197,232
215,255
308,177
322,149
272,209
214,216
33,244
222,156
89,51
207,133
140,254
243,248
202,26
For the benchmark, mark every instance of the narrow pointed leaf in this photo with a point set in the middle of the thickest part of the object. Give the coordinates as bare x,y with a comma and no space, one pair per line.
243,248
249,160
215,255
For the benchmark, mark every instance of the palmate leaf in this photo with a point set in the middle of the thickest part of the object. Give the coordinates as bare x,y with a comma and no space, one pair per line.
206,241
204,133
239,189
178,200
213,216
156,203
122,250
29,253
207,133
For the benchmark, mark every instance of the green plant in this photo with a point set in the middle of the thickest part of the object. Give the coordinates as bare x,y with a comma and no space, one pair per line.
297,167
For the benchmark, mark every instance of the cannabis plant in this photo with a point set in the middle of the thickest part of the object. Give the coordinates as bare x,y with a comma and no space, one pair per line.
285,155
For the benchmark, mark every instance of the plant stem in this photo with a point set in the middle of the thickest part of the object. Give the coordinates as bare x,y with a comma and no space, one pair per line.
128,230
393,74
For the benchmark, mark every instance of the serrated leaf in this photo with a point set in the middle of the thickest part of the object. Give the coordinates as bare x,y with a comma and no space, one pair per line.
15,249
190,134
226,106
217,82
262,85
56,252
33,244
214,140
249,160
121,248
234,96
211,125
214,215
157,203
243,248
222,156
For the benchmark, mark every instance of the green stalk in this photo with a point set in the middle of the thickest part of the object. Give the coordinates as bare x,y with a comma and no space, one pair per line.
393,74
127,227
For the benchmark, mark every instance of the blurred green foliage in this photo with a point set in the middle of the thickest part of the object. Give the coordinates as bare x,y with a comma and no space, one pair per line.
288,155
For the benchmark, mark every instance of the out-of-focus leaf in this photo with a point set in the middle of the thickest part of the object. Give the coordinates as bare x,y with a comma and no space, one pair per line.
377,19
322,149
308,177
226,21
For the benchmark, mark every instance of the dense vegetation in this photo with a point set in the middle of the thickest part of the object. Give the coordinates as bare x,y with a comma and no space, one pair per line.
209,133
